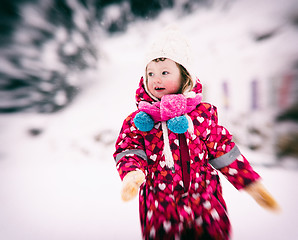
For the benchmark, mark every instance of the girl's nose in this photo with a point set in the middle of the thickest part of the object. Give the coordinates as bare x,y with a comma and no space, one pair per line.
157,79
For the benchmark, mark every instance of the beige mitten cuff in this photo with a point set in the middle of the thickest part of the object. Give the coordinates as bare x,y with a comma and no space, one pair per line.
131,183
262,196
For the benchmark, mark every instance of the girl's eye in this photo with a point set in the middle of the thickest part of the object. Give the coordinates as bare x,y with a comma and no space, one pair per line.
165,73
150,74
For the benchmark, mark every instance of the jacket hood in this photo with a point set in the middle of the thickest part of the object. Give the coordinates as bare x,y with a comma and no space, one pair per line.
142,95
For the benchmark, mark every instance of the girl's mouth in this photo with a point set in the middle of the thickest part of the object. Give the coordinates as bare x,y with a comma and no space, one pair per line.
159,89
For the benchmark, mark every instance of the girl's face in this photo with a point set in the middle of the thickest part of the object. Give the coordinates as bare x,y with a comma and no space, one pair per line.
163,78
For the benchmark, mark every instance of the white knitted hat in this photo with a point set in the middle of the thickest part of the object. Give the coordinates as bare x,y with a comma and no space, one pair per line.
173,45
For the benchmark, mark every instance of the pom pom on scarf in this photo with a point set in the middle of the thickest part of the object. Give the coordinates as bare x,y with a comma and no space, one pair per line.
143,122
178,124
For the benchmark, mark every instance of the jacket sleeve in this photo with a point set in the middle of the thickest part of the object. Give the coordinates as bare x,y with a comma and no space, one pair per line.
130,153
225,156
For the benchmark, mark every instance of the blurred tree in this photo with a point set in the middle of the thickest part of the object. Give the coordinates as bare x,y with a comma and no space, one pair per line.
46,47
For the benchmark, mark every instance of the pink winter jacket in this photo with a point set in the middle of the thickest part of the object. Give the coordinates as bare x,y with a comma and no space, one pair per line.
167,208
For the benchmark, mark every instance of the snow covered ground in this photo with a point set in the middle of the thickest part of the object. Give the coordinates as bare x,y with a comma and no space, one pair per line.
62,184
53,189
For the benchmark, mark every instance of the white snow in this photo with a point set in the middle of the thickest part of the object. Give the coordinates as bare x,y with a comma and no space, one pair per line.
63,184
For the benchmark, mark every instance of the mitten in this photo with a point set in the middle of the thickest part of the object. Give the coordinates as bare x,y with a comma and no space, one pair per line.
131,183
262,196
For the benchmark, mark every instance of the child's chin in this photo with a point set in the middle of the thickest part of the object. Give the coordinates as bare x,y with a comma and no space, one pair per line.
158,96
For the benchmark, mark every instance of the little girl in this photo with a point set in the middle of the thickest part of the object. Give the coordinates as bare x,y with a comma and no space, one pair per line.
172,148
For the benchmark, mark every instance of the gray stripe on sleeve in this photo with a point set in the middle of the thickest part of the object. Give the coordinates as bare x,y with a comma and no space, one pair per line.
138,152
225,159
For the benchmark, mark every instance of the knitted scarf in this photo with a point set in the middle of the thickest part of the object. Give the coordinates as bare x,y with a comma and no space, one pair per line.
171,111
170,106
